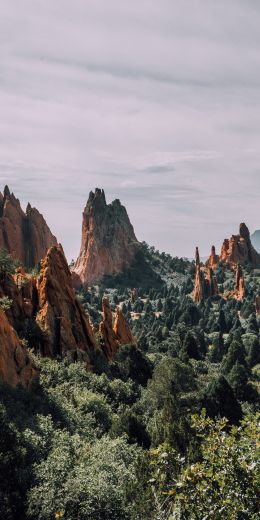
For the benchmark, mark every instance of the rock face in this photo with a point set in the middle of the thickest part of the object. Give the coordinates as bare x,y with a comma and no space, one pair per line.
22,291
213,260
61,317
108,243
239,290
15,364
239,293
239,250
205,282
114,335
122,329
110,343
25,235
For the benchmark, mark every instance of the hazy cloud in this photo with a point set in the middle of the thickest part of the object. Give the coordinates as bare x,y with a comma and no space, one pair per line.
157,102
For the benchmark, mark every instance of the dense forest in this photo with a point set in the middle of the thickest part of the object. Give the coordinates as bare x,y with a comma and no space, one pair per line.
168,429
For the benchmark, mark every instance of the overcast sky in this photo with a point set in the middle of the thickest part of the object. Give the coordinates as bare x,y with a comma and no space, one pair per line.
158,102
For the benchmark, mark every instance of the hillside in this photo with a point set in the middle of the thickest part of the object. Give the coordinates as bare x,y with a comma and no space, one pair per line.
112,396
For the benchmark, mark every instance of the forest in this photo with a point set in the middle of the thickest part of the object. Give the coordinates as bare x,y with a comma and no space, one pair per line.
168,429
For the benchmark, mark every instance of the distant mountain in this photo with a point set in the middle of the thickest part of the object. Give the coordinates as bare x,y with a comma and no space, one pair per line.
256,239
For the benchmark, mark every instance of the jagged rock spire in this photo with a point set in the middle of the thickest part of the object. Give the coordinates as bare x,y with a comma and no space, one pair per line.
108,244
197,256
7,192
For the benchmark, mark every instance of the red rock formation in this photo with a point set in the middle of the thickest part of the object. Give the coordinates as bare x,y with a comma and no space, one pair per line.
213,260
114,335
108,243
240,283
122,329
25,236
239,290
239,250
16,366
61,317
110,343
21,290
205,282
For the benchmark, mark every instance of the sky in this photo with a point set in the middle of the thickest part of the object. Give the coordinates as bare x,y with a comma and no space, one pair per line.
157,102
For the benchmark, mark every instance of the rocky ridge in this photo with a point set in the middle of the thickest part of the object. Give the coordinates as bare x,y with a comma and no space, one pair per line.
108,244
25,235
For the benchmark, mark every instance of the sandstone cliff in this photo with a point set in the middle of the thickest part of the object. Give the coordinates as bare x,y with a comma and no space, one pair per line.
122,329
114,334
110,343
213,260
25,235
205,282
16,366
108,243
239,250
61,317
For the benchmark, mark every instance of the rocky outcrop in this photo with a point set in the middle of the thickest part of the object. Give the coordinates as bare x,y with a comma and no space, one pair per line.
239,250
114,334
108,243
25,235
213,260
239,293
16,366
122,329
110,343
21,290
205,281
65,325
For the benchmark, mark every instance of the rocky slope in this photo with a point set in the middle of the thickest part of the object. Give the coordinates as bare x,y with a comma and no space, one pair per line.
25,235
108,243
239,249
205,284
115,332
63,321
16,366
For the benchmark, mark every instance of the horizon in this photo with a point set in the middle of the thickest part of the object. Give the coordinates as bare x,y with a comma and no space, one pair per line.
202,255
162,111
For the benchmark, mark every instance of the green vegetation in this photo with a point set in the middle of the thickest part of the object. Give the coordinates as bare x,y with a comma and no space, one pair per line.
166,431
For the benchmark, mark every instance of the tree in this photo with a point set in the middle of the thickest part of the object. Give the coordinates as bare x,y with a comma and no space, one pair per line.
7,263
219,401
225,482
236,352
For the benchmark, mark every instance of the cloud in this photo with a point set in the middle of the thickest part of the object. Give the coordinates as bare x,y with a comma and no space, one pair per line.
157,102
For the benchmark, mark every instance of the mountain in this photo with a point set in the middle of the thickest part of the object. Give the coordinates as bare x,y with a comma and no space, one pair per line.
108,244
255,238
236,250
25,235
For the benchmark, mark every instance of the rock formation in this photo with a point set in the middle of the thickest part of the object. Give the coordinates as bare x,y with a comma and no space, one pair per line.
239,290
213,260
21,290
239,283
110,343
205,282
25,235
61,317
108,243
114,335
122,329
16,366
239,250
